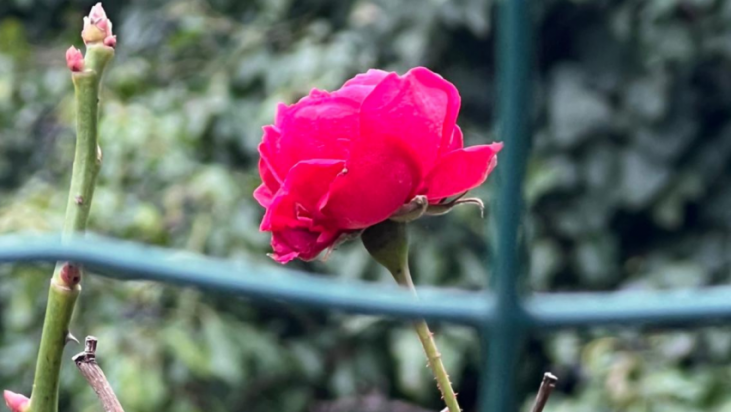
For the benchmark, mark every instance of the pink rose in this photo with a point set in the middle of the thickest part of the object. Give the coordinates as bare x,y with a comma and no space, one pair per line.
335,163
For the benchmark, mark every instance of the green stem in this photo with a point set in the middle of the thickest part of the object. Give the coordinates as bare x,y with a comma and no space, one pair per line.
387,242
64,290
61,300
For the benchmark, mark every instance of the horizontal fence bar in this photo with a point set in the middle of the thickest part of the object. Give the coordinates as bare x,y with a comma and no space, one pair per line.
665,308
133,261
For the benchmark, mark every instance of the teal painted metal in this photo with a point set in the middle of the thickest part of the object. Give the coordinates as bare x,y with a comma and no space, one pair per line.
502,315
669,309
128,261
131,261
502,342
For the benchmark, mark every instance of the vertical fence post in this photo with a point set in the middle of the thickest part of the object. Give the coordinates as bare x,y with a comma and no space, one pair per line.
502,342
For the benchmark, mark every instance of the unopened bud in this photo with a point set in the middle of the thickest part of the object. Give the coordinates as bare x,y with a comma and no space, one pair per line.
97,13
74,59
16,402
111,41
98,28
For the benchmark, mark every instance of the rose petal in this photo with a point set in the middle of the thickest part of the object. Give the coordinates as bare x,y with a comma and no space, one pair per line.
370,78
263,195
457,141
272,181
461,170
382,179
359,87
419,108
305,244
402,121
296,202
319,126
435,85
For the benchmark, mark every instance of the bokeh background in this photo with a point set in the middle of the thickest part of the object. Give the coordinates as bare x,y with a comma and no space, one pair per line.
627,188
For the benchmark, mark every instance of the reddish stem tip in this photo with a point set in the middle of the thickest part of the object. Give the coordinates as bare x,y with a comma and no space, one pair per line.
70,274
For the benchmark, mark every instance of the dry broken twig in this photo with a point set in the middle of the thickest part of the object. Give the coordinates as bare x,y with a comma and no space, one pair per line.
86,362
547,385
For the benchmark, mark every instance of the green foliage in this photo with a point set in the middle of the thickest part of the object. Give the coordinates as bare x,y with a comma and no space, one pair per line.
626,189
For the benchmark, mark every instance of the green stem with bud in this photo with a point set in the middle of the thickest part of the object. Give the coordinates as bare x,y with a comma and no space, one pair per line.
65,286
388,243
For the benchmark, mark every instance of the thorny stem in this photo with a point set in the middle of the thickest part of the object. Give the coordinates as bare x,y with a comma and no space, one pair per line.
388,244
65,285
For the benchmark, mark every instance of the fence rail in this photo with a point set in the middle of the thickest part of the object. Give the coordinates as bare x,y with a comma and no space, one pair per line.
503,315
123,260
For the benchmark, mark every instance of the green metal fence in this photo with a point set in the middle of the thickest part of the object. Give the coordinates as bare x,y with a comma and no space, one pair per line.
502,314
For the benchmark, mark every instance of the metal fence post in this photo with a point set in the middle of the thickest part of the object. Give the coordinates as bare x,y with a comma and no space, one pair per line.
502,342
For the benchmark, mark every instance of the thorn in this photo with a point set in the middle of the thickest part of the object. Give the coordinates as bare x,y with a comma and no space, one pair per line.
79,200
71,338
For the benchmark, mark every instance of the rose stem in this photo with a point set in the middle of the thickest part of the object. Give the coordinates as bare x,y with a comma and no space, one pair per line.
388,243
65,286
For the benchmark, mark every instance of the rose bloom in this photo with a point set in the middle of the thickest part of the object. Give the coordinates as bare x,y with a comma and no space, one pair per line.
335,163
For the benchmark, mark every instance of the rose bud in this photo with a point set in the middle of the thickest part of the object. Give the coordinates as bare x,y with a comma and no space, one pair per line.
335,163
74,59
97,27
110,41
16,402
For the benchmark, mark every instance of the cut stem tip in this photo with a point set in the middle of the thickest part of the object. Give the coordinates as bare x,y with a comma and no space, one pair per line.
544,392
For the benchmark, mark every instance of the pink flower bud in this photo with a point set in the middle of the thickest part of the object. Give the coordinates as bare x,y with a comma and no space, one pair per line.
97,13
74,59
97,27
111,41
16,402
